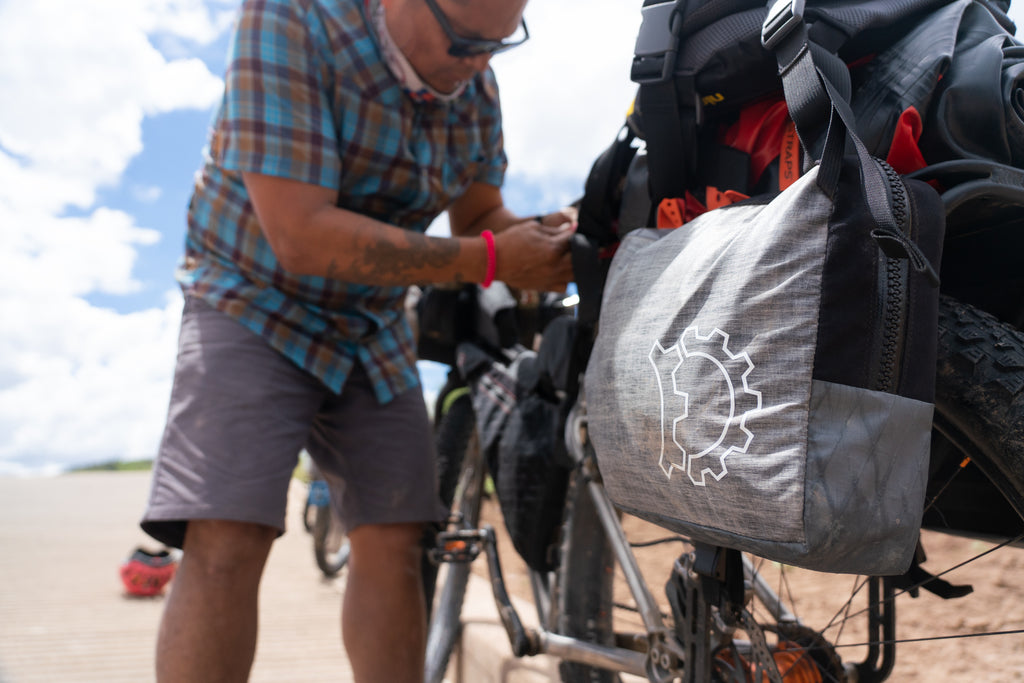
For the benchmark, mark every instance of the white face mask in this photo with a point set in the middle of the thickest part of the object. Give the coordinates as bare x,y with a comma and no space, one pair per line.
399,66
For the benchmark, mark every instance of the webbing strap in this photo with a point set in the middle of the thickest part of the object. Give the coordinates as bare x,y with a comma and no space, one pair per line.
666,133
803,83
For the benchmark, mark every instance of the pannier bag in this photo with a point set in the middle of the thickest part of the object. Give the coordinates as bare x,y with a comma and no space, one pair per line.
762,377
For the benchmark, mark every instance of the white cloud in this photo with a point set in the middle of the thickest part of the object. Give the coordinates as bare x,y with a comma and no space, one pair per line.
1017,14
147,194
83,76
565,92
50,259
78,382
81,384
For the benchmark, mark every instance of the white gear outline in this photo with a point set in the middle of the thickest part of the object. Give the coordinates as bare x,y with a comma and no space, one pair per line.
730,441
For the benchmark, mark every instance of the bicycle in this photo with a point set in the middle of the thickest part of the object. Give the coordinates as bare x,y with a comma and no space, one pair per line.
330,543
729,616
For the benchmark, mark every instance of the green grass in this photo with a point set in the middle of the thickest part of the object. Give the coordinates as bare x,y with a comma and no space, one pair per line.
116,466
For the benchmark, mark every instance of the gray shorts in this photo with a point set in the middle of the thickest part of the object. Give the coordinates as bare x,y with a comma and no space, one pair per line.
239,415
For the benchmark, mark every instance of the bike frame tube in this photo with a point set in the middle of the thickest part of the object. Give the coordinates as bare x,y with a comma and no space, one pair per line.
645,602
591,654
648,608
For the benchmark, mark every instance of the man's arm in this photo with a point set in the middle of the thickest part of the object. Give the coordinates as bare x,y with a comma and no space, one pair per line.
480,208
311,236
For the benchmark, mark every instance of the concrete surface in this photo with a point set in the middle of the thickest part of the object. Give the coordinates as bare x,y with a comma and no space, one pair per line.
64,617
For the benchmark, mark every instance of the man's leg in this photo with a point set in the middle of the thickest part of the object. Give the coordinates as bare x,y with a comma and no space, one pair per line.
384,616
208,632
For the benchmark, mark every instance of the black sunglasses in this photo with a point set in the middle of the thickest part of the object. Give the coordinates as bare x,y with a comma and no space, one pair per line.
474,47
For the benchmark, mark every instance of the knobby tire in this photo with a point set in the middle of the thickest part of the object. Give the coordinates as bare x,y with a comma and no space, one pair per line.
584,586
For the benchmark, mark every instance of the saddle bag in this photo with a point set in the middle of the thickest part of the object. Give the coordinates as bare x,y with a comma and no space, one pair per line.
762,377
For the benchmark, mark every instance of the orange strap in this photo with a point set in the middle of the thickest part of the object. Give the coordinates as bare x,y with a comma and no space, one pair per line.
674,212
716,199
789,157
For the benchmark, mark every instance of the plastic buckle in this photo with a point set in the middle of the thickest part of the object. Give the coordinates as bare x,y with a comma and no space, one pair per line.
656,44
783,17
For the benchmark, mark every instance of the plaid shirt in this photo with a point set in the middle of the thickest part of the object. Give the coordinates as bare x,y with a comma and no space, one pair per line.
309,97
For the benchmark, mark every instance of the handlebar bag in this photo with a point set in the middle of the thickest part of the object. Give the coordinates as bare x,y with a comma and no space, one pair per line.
763,377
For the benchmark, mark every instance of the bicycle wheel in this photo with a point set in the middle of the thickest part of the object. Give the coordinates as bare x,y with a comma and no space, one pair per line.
976,489
461,474
330,543
980,411
583,593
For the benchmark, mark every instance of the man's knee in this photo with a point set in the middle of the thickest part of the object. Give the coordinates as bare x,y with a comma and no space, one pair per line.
373,543
226,550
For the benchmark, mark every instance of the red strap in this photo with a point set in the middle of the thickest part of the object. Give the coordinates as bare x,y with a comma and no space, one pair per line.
674,212
492,259
759,132
670,212
904,154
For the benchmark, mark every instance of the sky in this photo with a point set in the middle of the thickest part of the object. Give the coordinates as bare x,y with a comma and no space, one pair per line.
106,107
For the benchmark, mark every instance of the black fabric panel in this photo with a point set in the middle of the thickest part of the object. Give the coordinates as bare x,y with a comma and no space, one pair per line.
917,378
849,328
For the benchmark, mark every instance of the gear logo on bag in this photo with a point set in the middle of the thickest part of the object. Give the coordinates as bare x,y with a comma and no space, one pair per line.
705,403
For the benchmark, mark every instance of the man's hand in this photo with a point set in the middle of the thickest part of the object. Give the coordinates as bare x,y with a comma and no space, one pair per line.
533,255
567,215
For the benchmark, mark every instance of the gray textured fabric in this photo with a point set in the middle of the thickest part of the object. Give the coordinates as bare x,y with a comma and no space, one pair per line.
867,467
699,393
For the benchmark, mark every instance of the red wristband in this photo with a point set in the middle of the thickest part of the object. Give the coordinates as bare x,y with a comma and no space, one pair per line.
492,258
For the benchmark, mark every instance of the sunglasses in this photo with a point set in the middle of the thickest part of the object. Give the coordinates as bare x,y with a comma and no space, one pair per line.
474,47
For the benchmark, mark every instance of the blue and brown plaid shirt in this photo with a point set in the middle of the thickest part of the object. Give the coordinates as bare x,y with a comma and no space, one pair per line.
309,97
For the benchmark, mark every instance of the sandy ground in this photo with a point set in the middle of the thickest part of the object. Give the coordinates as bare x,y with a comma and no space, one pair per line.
997,604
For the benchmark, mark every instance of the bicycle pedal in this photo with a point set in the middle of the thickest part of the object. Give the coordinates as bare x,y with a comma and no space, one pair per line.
463,545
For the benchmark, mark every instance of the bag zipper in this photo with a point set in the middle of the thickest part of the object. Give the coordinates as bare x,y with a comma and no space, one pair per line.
894,281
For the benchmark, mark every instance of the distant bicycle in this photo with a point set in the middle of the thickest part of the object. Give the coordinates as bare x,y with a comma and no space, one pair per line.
330,543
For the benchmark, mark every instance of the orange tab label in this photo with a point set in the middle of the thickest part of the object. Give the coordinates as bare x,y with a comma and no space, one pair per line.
789,157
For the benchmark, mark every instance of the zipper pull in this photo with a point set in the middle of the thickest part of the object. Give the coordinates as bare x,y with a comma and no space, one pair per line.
895,244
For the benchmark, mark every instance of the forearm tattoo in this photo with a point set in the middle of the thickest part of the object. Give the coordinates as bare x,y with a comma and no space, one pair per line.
384,260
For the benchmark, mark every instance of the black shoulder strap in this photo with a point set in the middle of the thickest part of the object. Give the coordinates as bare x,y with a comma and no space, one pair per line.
654,62
804,84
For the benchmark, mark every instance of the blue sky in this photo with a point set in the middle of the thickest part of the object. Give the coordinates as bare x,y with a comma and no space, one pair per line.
105,111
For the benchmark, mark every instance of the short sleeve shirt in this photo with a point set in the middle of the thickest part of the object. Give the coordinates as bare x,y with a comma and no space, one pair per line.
309,97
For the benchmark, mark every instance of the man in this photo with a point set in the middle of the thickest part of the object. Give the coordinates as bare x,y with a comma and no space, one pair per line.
345,128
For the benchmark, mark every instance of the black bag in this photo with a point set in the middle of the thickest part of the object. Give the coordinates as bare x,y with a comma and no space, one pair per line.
699,64
518,423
